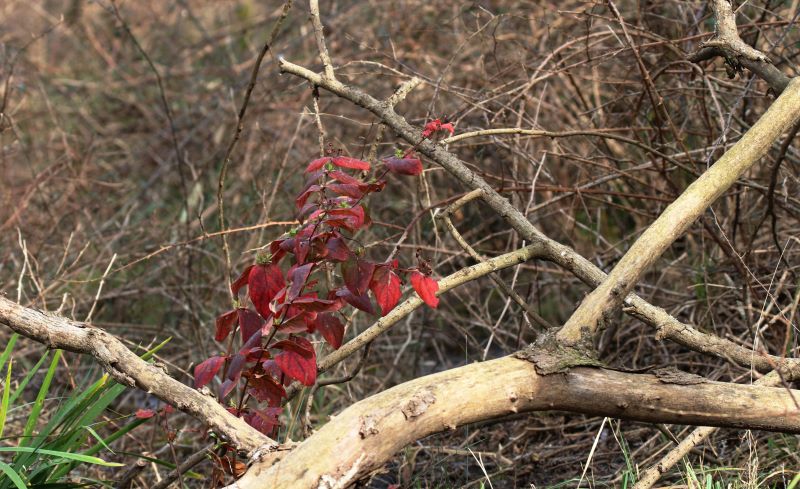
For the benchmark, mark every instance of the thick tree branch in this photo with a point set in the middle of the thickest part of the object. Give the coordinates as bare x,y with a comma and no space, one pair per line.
679,215
366,434
127,368
650,476
737,54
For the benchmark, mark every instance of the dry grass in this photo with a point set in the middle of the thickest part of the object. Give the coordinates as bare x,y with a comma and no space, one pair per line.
90,176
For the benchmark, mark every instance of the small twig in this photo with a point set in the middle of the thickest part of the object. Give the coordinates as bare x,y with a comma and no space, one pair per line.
666,325
737,54
412,303
133,471
336,380
168,247
318,120
167,111
237,133
679,215
444,216
319,35
100,289
402,91
184,467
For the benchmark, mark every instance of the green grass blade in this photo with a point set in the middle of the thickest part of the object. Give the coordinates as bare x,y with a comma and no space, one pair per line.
4,401
12,475
28,378
65,468
36,411
152,352
795,481
115,436
81,411
66,418
9,347
70,456
98,438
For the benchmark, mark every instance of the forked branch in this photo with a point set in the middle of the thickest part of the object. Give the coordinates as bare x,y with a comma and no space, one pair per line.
737,54
677,218
362,437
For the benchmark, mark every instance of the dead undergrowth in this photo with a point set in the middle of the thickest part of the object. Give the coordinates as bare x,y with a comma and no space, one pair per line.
108,203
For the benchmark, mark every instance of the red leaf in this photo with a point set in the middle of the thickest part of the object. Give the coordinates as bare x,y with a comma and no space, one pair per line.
357,275
297,360
204,372
351,218
145,413
426,287
277,251
299,276
297,323
331,328
224,325
241,281
238,362
317,164
227,387
312,303
435,126
265,282
249,323
295,344
264,387
385,286
345,178
337,249
404,166
352,163
301,248
304,211
300,201
347,189
431,128
264,420
358,301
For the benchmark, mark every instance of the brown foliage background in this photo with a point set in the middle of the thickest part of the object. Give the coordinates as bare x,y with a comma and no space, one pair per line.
90,175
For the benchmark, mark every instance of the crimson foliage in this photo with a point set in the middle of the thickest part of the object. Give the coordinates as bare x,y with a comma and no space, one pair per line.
288,298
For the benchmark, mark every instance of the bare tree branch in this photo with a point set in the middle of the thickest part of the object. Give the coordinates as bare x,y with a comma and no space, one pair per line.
366,434
127,368
650,476
677,218
727,44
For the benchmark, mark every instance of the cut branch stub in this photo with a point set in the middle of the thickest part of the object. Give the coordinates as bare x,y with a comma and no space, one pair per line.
551,357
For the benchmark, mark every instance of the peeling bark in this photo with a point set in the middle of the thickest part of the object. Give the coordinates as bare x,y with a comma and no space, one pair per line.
369,432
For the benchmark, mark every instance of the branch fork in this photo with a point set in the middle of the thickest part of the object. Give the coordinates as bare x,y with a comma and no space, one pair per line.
738,55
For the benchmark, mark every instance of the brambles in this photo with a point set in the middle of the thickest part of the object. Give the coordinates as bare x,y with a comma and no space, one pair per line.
293,295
